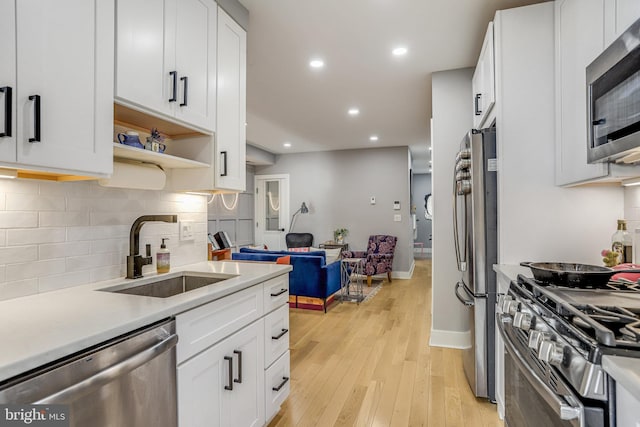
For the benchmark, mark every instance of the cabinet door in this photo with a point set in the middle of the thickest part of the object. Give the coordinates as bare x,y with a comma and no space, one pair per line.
65,64
145,54
618,16
231,104
196,24
575,49
204,395
484,81
7,81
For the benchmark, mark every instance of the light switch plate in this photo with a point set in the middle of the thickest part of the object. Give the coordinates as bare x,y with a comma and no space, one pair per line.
186,230
373,200
397,217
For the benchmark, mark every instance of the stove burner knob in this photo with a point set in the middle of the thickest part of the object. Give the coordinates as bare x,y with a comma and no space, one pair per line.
522,320
535,338
502,300
551,352
513,307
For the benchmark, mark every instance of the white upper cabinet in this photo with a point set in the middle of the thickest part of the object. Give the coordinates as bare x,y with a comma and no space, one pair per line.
483,82
7,81
583,28
232,105
63,105
166,59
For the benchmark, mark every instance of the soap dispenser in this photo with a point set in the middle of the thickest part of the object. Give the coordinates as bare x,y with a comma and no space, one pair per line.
163,262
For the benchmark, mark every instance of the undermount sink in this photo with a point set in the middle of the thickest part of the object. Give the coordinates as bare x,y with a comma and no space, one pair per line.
165,287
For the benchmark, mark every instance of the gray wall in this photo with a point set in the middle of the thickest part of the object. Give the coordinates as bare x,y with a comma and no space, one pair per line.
237,222
420,187
451,121
337,187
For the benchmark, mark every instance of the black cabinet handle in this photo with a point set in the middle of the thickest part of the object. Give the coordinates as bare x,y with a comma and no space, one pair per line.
7,110
185,86
223,154
230,361
477,100
36,118
284,381
239,353
280,335
174,90
282,291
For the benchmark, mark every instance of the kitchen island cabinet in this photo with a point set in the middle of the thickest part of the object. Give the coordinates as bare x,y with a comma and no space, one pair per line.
61,107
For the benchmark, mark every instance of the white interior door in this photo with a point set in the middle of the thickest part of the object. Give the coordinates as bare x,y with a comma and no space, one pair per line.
272,210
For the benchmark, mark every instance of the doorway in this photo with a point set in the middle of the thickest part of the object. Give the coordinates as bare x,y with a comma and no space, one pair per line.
272,210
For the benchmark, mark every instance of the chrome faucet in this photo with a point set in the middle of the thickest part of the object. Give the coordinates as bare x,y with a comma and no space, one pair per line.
135,261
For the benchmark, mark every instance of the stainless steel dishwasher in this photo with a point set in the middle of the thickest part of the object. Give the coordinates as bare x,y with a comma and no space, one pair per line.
127,381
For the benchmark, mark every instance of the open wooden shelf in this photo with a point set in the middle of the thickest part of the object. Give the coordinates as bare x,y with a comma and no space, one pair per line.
167,161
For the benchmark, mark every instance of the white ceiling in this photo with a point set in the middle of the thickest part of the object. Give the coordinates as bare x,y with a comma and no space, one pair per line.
287,101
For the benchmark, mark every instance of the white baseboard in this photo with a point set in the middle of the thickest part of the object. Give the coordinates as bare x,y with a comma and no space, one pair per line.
404,274
426,251
450,339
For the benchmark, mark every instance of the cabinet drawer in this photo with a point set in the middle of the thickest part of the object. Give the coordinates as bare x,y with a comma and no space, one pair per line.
208,324
276,334
277,384
276,292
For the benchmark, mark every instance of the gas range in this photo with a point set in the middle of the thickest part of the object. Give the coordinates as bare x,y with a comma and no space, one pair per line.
559,335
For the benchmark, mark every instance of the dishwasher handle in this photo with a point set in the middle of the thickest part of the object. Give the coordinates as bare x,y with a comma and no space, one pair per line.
109,374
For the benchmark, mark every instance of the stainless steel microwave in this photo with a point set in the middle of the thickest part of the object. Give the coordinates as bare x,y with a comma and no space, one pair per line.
613,99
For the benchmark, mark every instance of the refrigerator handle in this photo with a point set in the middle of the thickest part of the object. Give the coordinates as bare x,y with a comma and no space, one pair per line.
462,265
466,299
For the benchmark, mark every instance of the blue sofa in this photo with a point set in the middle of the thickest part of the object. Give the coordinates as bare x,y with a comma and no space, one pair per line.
310,276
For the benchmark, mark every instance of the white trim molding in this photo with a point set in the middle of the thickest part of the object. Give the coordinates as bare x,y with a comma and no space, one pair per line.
404,274
450,339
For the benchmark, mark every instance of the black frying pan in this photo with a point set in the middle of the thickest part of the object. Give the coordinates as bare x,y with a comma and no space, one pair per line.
574,275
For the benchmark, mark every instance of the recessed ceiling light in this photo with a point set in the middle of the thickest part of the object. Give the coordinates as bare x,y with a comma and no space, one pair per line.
429,148
353,111
287,145
373,138
316,63
399,51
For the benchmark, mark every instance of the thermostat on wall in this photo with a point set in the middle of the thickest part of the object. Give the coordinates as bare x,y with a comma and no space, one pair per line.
396,205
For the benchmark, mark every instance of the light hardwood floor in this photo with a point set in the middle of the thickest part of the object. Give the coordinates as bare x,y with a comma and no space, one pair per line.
371,365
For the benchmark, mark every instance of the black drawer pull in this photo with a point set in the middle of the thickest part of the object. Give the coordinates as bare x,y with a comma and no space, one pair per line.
284,381
185,86
223,154
36,118
230,361
239,380
477,108
282,291
174,90
7,110
280,335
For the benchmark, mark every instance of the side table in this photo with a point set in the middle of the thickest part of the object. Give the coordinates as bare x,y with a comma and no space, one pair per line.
348,268
334,245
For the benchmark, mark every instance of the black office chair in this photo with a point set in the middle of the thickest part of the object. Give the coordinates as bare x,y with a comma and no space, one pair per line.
299,240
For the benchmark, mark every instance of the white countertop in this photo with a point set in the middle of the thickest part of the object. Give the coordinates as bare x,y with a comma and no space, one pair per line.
42,328
626,372
511,271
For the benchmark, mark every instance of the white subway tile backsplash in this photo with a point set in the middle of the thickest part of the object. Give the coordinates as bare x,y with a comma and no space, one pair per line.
62,250
30,270
16,237
18,289
34,202
18,219
18,254
61,281
59,234
62,219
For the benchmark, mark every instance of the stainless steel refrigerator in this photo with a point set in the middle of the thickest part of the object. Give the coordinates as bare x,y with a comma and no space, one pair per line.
475,233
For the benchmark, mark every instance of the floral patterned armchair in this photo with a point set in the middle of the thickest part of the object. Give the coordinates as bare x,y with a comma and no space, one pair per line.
378,256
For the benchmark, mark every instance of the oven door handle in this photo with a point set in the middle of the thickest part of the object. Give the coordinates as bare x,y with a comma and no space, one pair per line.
466,299
563,409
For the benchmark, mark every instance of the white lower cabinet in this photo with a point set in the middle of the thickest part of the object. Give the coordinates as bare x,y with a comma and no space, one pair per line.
233,358
224,386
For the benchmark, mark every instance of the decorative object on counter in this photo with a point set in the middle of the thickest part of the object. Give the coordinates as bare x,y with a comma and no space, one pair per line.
163,258
339,234
155,142
621,243
130,138
610,258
